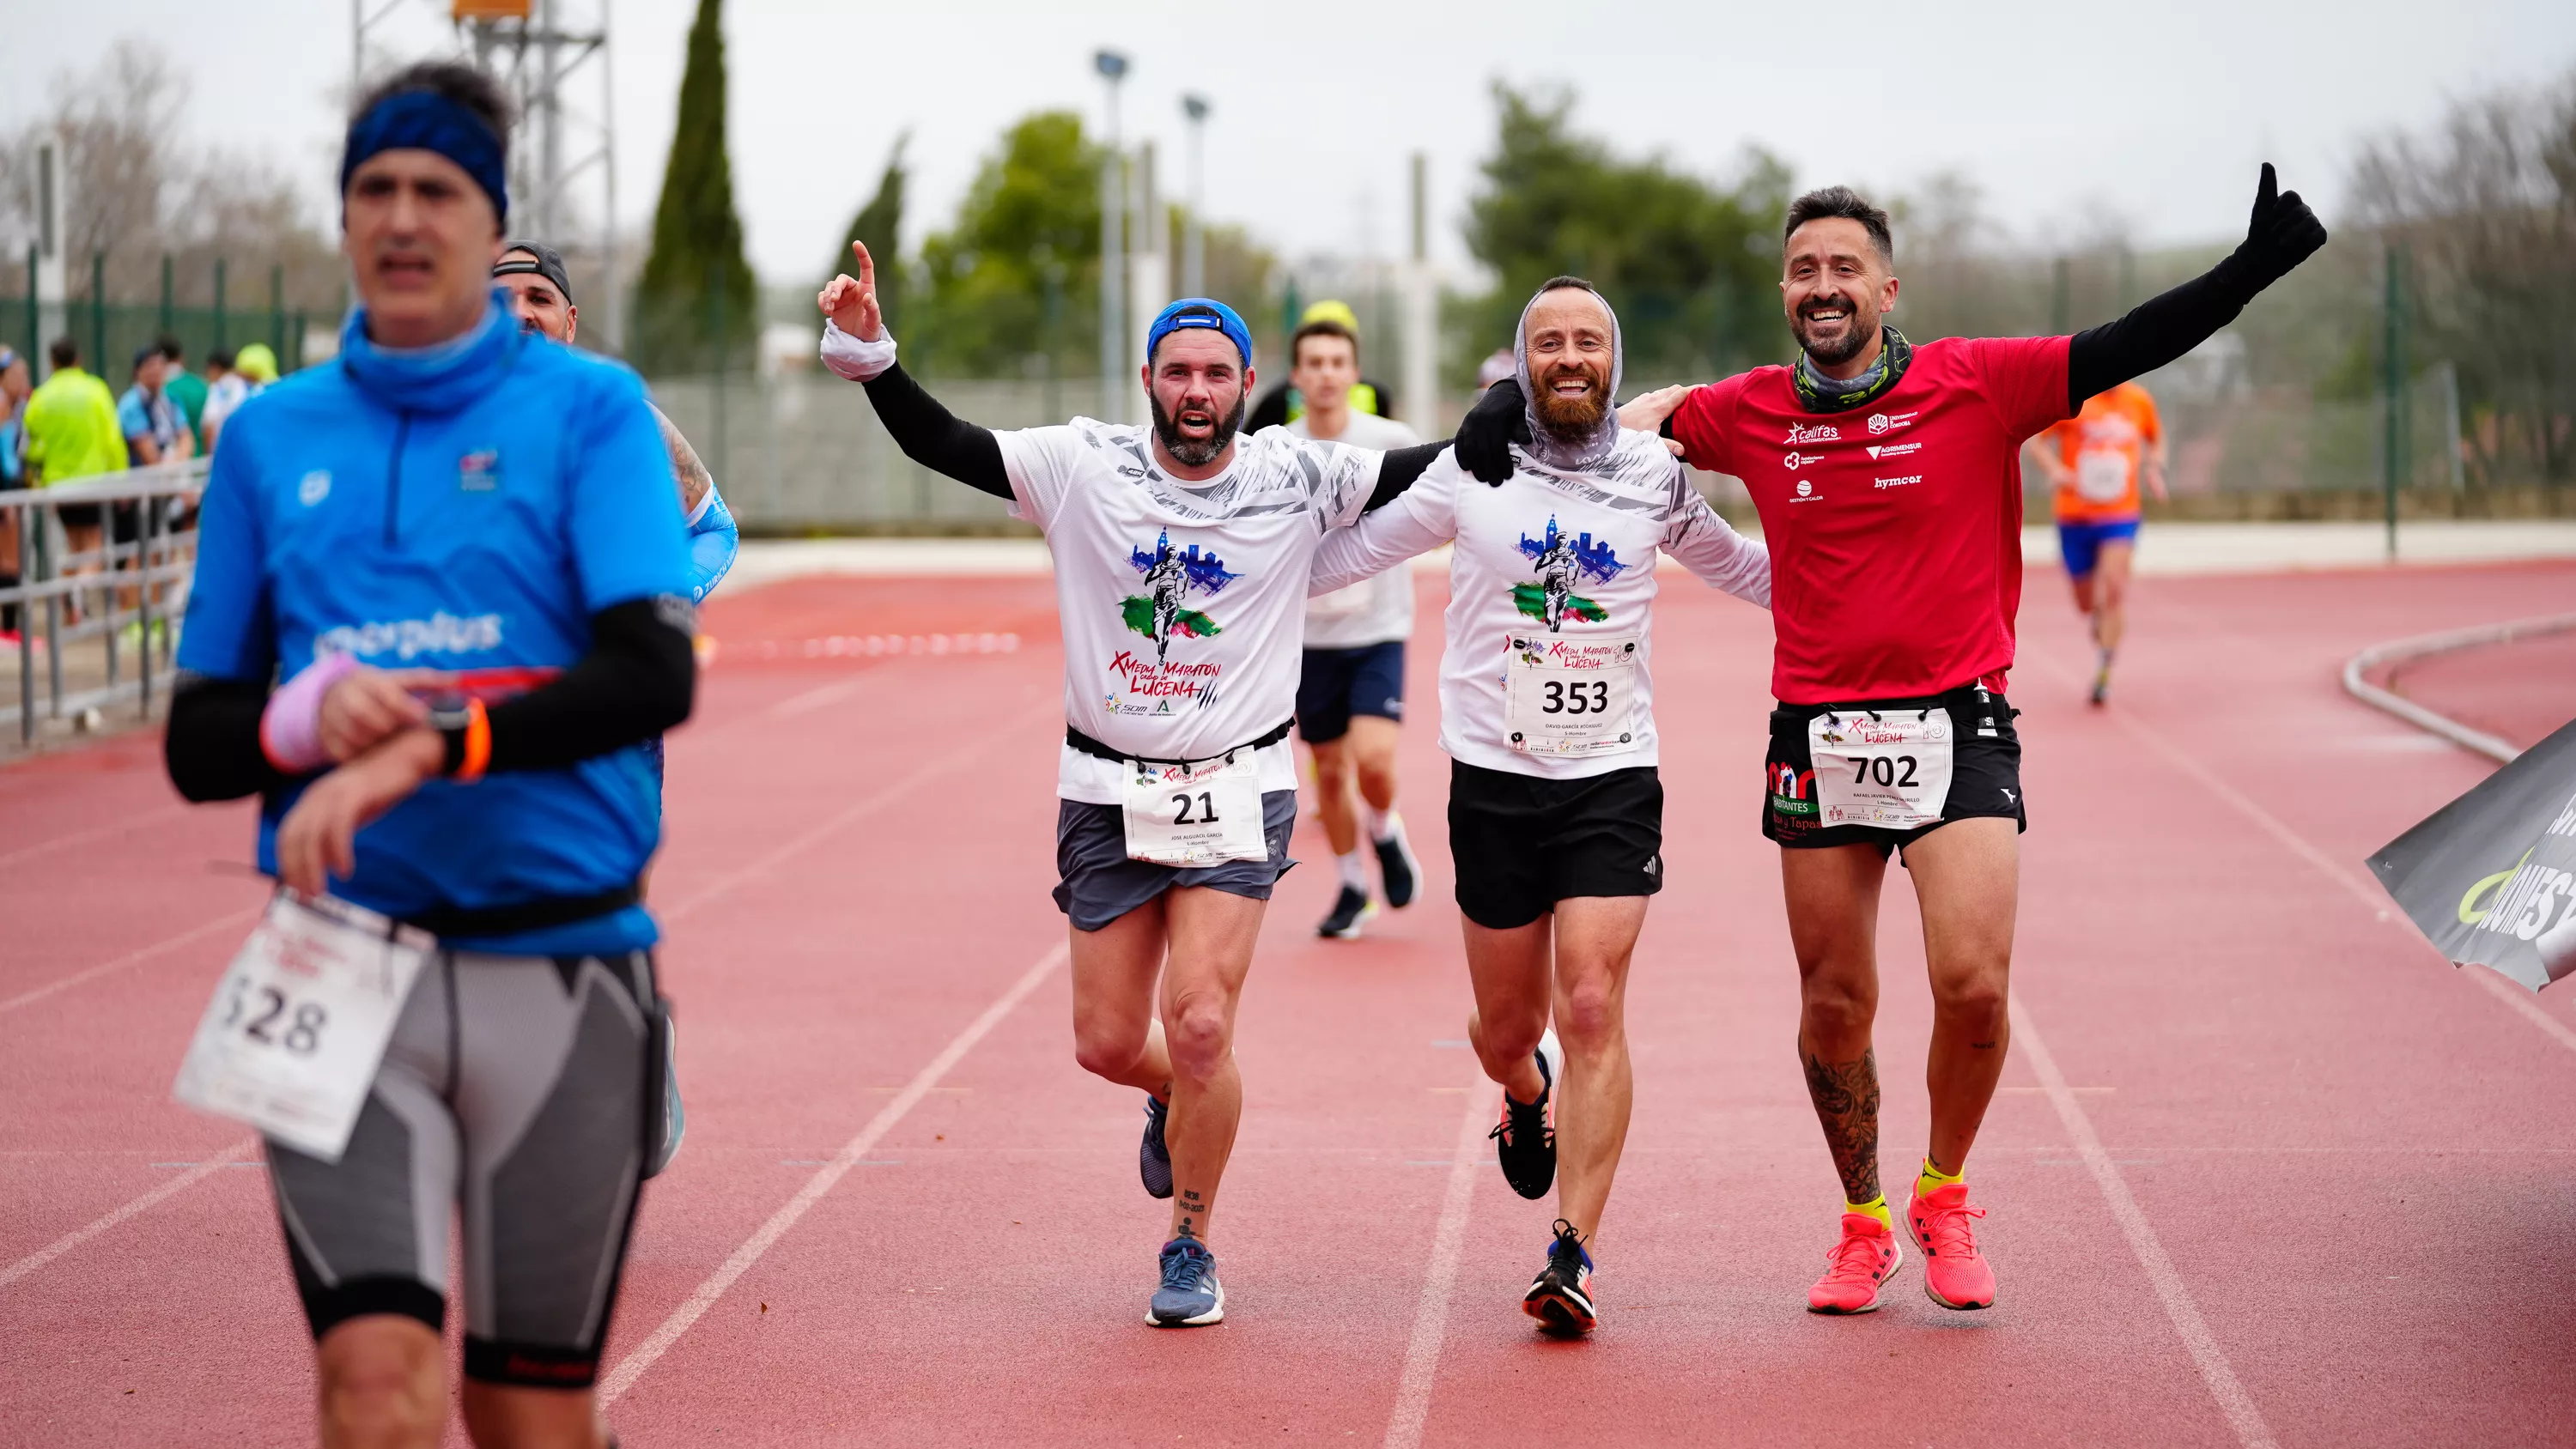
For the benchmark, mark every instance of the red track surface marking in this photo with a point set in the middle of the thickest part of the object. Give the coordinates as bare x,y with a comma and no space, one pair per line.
242,1151
2518,691
2353,1165
77,978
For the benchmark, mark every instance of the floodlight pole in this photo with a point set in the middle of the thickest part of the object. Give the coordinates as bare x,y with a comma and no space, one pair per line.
1113,247
1194,230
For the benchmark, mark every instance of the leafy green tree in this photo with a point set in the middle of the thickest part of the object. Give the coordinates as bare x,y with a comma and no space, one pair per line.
1016,280
1692,266
697,307
880,224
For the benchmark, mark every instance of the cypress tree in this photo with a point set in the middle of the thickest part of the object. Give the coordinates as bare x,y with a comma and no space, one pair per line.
878,224
696,274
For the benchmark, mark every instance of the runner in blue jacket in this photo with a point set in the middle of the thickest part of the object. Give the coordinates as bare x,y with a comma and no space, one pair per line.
458,548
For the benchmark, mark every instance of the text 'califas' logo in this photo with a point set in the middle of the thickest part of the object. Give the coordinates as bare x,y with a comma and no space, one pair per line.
1562,562
1158,613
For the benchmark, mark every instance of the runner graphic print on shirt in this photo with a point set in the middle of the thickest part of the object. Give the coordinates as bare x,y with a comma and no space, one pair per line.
1564,561
1159,612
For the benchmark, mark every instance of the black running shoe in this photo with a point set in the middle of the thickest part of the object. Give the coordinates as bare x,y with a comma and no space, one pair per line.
1523,1141
1154,1157
1398,870
1353,907
1561,1296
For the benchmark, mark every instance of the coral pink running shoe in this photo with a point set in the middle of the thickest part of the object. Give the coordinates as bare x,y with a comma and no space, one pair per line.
1955,1274
1864,1259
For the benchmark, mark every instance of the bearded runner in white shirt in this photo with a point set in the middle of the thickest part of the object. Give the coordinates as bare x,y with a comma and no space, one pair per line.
1181,558
1350,692
1547,712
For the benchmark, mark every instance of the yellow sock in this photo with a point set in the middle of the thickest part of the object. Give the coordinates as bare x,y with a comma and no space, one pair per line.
1933,1179
1876,1207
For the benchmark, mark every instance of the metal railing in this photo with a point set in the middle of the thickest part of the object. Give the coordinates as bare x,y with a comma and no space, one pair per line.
133,577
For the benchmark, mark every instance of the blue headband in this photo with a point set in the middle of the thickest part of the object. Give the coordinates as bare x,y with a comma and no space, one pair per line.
1199,312
428,121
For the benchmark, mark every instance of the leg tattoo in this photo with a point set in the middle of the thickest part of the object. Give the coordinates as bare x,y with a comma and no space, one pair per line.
1846,1098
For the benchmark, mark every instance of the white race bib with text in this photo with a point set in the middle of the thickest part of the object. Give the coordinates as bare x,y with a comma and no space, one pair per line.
1195,815
1570,696
1888,768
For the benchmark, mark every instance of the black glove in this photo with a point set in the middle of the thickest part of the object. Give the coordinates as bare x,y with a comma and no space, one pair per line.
2282,234
1485,436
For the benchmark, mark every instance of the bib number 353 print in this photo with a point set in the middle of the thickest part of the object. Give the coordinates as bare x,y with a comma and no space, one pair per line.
1570,696
1886,768
291,1042
1194,815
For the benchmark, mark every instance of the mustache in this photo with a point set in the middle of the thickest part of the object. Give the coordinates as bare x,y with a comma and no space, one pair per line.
1810,307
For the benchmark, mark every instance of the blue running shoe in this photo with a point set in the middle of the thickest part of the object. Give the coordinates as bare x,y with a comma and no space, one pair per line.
1561,1298
1154,1156
1190,1295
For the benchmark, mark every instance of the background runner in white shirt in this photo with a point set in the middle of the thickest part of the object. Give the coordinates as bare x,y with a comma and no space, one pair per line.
1547,712
1350,696
1181,558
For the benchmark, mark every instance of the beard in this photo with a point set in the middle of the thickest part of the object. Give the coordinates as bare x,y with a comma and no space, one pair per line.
1572,419
1195,453
1860,324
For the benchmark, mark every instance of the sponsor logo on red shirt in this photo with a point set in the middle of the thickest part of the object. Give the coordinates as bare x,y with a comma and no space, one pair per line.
1889,422
1817,433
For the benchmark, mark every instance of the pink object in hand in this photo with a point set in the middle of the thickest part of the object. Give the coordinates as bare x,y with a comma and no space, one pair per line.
290,729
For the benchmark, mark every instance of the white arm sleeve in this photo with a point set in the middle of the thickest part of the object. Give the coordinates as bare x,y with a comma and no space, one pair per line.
1422,519
848,356
1709,546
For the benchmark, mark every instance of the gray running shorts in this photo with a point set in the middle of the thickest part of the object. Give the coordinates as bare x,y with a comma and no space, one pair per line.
1100,883
523,1089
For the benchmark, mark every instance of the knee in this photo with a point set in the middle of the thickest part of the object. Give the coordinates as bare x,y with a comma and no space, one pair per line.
1197,1036
1332,770
381,1387
1587,1017
1835,1008
1975,998
1107,1049
1377,778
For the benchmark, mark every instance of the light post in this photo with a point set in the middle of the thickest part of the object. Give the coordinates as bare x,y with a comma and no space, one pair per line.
1113,248
1194,233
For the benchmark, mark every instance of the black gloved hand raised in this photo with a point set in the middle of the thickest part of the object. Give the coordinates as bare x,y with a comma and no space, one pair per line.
1485,436
2282,234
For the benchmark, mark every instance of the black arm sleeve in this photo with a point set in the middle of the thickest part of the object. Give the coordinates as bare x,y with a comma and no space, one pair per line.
1398,471
212,746
638,680
2155,332
936,438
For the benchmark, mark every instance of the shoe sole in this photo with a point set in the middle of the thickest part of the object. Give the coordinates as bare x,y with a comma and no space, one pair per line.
1872,1305
1561,1312
1213,1315
1928,1290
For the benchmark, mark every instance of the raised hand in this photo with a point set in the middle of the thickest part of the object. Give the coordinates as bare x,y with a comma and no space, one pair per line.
2282,233
852,304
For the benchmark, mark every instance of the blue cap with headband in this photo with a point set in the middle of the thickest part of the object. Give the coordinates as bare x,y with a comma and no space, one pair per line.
424,120
1199,312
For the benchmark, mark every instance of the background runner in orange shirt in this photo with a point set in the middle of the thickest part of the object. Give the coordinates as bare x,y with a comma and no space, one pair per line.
2096,461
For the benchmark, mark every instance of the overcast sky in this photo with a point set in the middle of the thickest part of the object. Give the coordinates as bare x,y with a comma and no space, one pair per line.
2155,112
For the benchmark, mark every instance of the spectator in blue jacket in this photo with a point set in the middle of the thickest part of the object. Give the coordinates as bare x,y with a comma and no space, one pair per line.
459,549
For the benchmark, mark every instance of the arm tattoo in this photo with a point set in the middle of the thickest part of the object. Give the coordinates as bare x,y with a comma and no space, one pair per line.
1846,1098
686,470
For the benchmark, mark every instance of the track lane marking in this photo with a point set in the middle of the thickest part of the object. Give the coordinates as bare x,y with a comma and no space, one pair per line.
237,1153
1448,1242
30,998
2206,1355
95,832
682,1318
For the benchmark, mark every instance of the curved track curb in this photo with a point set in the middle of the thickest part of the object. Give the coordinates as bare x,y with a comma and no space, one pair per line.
2399,650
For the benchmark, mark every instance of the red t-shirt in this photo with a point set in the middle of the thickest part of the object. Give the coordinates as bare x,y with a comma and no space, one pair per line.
1895,528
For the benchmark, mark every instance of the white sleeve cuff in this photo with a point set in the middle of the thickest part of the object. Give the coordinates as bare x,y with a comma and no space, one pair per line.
858,361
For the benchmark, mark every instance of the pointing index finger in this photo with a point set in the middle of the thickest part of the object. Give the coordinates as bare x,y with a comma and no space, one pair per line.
867,266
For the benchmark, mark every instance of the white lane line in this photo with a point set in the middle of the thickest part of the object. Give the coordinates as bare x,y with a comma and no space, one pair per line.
659,1341
96,832
230,1157
30,998
2206,1355
1431,1314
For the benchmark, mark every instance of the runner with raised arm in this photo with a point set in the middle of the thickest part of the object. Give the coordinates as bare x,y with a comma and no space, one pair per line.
1182,552
459,547
1888,481
1547,712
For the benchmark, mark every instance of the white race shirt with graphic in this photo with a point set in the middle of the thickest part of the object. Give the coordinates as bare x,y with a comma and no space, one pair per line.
1549,557
1372,611
1183,604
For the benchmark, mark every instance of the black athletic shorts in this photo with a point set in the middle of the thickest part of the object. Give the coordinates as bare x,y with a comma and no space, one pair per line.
1985,772
1522,843
1098,881
1335,684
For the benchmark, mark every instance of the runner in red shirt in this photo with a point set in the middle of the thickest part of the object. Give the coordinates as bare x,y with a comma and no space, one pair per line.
1889,486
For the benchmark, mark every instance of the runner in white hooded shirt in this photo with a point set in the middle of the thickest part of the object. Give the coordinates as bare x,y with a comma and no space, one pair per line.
1547,712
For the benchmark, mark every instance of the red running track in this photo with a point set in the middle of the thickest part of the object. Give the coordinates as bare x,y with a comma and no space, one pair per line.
2519,691
2264,1170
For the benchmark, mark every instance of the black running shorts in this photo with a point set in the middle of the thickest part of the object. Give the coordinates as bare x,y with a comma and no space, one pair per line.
526,1089
1522,843
1335,684
1985,772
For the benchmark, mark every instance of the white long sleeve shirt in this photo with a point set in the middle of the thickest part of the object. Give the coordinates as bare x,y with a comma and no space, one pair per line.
1553,575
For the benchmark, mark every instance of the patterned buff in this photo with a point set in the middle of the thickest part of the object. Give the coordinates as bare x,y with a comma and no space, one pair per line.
1546,447
428,121
1821,394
